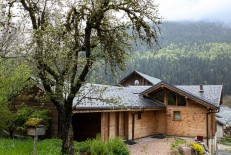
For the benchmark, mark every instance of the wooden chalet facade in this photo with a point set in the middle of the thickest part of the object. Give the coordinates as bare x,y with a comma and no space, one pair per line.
145,106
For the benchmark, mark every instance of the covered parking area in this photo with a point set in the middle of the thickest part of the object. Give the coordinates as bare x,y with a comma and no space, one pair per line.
86,125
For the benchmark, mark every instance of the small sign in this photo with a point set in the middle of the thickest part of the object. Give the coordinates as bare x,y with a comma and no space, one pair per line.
31,131
37,131
40,130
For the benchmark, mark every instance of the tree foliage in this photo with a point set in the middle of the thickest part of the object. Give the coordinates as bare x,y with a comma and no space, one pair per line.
13,78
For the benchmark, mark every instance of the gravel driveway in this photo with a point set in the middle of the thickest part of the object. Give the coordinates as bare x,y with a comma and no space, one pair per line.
151,146
222,149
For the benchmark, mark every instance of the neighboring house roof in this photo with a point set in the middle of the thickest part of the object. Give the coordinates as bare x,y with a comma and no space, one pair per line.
223,121
211,95
151,79
103,97
224,116
225,108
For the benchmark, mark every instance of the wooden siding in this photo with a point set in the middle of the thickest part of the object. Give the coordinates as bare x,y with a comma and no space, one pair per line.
192,122
160,121
131,79
104,125
145,126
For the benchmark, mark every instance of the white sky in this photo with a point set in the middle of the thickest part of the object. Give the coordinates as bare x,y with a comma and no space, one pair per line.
195,10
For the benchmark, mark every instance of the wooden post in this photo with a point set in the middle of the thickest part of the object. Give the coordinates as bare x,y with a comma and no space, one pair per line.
35,142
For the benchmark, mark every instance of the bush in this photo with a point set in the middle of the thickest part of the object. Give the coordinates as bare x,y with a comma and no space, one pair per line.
27,116
197,147
97,147
83,147
117,147
21,116
175,144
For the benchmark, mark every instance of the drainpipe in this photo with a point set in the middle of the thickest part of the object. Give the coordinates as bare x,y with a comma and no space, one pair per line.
207,122
133,125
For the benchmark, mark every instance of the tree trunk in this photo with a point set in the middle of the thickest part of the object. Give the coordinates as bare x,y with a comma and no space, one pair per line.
66,132
59,133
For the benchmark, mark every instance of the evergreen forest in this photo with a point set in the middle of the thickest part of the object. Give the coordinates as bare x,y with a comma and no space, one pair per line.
190,53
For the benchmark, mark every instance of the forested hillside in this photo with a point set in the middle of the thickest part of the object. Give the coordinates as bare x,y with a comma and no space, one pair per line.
191,53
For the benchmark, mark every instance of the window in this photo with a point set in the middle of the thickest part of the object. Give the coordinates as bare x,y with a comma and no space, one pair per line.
139,116
159,96
181,101
171,98
177,115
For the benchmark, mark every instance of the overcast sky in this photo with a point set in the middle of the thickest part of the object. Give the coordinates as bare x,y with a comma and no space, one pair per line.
196,10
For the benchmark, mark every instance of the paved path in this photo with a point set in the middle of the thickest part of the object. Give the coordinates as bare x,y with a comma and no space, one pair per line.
222,149
223,152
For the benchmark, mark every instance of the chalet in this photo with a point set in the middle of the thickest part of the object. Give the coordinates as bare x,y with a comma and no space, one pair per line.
223,122
142,106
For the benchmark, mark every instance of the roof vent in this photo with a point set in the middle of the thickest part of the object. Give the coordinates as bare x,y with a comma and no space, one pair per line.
136,82
201,88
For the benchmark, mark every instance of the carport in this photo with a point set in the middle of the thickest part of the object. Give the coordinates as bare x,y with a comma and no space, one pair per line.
86,125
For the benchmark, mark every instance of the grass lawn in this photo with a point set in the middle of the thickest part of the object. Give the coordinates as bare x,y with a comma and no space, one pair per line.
226,141
25,147
53,147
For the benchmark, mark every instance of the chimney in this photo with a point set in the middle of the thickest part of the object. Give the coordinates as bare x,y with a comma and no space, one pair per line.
201,88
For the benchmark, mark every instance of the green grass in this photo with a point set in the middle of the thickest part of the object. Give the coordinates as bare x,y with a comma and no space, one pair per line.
226,141
53,147
178,142
25,147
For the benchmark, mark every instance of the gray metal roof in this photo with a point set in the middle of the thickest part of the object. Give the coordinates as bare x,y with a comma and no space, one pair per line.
225,108
211,93
96,96
210,96
224,116
149,78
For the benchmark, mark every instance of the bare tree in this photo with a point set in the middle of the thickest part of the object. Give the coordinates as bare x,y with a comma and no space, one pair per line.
67,37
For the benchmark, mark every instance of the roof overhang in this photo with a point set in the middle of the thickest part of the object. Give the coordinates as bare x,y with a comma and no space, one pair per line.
180,92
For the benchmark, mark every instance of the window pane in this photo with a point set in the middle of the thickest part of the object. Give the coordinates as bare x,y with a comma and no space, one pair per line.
159,96
171,98
177,115
181,101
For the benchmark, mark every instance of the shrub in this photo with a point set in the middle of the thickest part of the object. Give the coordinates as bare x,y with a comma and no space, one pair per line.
97,147
175,144
117,147
21,116
32,122
83,147
197,147
28,117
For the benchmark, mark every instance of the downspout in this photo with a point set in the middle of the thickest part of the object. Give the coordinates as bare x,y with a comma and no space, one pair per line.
133,125
108,125
207,122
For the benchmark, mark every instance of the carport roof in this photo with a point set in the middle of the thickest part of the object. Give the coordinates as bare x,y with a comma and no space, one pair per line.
105,97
